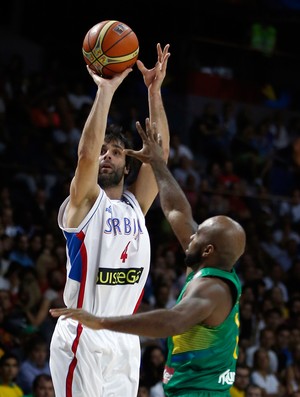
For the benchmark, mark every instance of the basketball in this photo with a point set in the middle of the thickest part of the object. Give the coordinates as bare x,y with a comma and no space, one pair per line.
110,47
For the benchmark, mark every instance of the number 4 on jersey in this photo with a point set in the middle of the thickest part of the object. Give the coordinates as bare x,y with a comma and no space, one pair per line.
124,254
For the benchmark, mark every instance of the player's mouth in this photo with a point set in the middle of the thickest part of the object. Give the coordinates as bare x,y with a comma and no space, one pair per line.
105,168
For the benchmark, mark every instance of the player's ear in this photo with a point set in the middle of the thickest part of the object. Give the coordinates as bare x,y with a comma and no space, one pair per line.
126,170
209,249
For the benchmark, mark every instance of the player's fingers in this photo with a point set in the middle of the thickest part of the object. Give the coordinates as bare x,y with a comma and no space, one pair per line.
150,129
141,131
166,50
91,71
123,75
131,152
141,66
159,139
159,52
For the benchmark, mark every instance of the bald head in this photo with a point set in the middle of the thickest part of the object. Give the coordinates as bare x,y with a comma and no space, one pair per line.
227,236
219,242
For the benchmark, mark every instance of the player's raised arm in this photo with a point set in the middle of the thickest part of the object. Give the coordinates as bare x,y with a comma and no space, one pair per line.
84,186
174,203
145,187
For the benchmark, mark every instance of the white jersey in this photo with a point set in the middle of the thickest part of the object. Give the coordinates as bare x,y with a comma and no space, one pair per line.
108,261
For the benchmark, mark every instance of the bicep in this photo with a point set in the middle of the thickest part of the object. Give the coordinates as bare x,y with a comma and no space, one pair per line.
85,181
84,191
145,187
194,308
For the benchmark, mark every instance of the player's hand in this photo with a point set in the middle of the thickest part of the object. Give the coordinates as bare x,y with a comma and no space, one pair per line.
152,142
113,82
156,75
79,315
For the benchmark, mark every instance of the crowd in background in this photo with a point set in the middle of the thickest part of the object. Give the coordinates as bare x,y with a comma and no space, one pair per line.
232,164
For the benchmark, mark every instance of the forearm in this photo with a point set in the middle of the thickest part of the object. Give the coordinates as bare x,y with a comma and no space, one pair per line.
158,115
172,197
174,203
94,129
156,324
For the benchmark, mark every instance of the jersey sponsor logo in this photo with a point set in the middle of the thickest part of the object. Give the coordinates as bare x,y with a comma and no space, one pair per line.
168,373
227,377
107,276
125,226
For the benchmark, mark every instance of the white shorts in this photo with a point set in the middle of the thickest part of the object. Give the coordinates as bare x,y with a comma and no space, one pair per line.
88,363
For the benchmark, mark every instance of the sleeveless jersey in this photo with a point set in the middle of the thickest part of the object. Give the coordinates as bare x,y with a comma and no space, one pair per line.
108,257
204,358
108,261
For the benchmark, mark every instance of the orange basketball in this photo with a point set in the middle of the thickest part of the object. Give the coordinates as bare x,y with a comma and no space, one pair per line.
110,47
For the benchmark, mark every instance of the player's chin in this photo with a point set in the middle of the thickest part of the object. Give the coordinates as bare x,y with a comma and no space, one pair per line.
105,171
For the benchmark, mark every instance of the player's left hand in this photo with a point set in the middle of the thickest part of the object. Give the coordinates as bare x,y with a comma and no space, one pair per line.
151,150
156,75
79,315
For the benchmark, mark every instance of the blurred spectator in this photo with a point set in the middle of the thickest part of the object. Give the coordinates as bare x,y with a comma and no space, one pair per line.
292,373
13,277
238,202
35,362
291,207
254,391
228,176
9,369
241,381
285,231
241,356
275,278
228,122
293,320
276,296
283,176
143,390
204,133
52,297
266,341
246,157
8,342
270,318
152,367
278,129
261,376
185,169
163,298
42,386
35,246
43,114
20,252
77,95
247,324
177,151
272,249
282,348
10,228
218,204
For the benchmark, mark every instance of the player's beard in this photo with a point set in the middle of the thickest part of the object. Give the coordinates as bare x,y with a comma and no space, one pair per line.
193,260
111,179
